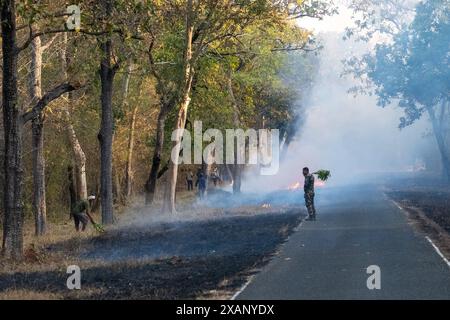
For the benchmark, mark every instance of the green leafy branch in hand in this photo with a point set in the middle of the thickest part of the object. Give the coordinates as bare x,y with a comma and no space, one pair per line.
323,175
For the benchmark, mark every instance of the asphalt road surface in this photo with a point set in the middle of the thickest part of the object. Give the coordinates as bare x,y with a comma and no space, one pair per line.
357,227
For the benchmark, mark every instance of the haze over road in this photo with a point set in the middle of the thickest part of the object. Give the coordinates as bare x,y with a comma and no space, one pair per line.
357,227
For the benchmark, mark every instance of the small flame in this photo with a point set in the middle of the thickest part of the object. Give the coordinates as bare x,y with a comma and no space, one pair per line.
319,183
294,186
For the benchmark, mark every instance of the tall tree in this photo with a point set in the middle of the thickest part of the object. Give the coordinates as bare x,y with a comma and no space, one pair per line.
79,156
37,125
14,119
13,206
186,86
131,138
105,136
414,71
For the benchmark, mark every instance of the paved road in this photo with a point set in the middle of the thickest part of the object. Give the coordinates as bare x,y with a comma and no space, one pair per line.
356,228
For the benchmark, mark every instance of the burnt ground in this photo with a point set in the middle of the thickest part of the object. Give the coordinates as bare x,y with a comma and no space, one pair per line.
426,199
434,204
179,260
430,194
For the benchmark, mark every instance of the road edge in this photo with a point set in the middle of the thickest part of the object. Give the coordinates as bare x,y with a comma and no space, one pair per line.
438,239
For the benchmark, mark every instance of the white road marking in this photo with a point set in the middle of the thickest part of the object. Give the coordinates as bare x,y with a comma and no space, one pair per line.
397,205
438,251
435,247
234,297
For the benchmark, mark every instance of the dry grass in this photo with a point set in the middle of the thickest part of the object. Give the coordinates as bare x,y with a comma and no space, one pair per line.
20,294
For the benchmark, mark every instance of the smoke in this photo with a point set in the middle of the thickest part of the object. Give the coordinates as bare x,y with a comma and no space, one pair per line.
350,136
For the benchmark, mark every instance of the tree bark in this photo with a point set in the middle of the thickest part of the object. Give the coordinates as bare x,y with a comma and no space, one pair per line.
39,204
37,125
150,185
117,187
105,136
237,168
129,165
130,149
440,139
12,246
72,188
170,191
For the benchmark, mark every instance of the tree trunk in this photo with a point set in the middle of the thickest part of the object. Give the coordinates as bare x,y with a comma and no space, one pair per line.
72,188
180,122
286,144
77,150
129,163
150,186
12,246
117,188
129,168
440,139
237,168
105,136
37,125
126,86
39,206
170,191
237,181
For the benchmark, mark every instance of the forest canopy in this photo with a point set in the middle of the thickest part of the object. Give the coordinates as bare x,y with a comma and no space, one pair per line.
92,92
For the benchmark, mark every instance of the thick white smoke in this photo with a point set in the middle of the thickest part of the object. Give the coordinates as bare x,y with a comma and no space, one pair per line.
351,136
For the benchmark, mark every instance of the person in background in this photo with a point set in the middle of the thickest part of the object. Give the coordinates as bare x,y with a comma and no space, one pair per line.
201,183
190,180
215,176
199,172
80,212
309,194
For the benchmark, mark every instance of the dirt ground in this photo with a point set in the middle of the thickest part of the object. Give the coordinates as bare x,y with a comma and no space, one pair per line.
194,258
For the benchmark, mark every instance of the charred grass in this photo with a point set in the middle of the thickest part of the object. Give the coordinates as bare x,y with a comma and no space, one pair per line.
192,259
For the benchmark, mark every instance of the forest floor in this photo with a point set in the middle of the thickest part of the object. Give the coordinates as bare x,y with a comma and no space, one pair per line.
201,253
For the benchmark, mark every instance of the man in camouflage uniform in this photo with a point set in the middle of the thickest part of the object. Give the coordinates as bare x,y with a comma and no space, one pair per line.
309,194
80,212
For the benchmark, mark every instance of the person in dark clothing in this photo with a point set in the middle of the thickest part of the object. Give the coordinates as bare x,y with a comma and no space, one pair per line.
215,176
309,194
190,180
201,183
80,212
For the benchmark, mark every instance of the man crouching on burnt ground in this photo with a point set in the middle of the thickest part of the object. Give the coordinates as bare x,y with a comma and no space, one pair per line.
80,212
309,194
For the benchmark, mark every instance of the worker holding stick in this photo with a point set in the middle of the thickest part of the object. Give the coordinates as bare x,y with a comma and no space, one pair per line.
81,213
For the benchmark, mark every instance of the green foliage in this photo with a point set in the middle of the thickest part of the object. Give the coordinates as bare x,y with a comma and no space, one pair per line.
253,42
99,228
323,175
414,69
